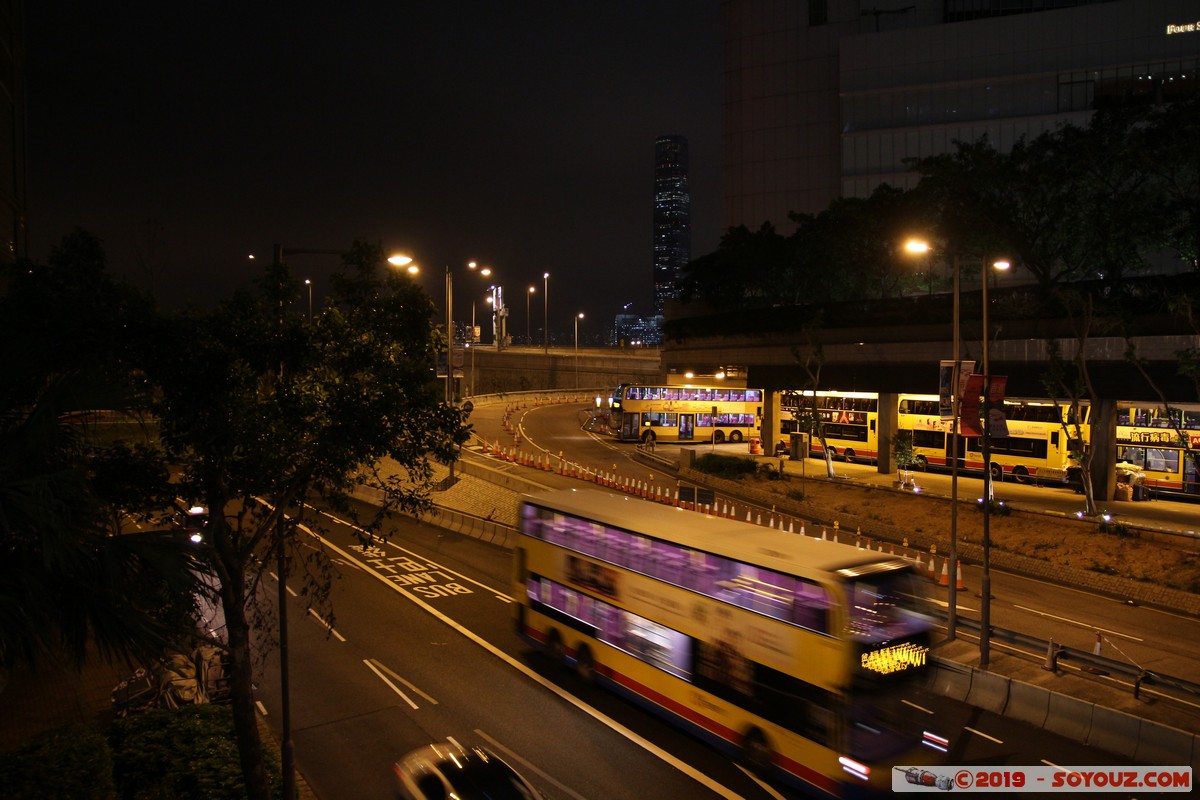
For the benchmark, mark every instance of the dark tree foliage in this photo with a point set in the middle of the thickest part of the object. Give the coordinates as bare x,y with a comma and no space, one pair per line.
66,582
265,411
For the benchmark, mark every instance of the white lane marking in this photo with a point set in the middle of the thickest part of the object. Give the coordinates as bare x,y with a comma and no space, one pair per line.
261,708
509,755
917,707
1079,623
762,784
411,687
328,627
275,578
984,735
611,724
391,685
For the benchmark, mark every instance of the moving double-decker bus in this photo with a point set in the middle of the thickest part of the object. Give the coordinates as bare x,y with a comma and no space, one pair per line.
685,413
1038,446
1164,443
794,653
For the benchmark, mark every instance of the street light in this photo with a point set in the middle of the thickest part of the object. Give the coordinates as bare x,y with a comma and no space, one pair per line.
915,246
528,337
471,265
546,312
308,283
578,317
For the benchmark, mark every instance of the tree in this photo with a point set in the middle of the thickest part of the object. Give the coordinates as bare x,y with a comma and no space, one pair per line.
256,403
811,358
67,580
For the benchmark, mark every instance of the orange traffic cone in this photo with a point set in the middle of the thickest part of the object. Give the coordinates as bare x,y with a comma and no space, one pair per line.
958,581
945,579
932,568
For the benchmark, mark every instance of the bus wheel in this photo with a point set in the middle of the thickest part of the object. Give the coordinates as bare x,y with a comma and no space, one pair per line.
585,664
921,464
1020,475
849,455
648,438
997,472
735,437
756,753
719,436
554,646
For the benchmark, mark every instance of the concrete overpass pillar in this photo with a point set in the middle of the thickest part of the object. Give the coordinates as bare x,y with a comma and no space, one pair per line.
888,424
772,417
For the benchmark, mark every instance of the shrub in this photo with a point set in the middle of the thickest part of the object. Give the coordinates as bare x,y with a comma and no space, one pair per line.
728,467
188,753
70,762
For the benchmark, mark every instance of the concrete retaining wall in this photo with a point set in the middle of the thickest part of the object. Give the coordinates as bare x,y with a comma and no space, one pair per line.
1096,726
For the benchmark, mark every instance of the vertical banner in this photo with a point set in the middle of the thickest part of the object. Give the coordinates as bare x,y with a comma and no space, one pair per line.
947,387
997,422
969,423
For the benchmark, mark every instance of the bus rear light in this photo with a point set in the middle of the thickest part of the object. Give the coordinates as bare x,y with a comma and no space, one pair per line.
936,742
856,769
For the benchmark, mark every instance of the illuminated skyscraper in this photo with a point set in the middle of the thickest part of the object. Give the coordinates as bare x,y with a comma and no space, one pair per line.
672,217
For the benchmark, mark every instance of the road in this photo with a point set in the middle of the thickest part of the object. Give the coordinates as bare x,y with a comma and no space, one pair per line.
422,648
1151,639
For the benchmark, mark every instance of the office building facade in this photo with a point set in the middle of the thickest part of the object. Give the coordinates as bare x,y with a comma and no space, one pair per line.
828,98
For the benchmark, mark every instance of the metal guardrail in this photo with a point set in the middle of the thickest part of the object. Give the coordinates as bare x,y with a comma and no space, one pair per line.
1088,662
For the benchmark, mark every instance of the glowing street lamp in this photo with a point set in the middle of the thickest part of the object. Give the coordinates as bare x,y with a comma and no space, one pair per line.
917,246
577,318
528,337
546,312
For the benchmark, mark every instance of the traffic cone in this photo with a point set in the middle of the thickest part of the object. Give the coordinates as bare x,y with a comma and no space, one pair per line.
932,575
802,533
958,581
945,579
790,528
824,535
920,563
759,519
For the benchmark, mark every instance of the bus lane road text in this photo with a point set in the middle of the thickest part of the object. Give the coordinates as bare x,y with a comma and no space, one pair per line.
423,578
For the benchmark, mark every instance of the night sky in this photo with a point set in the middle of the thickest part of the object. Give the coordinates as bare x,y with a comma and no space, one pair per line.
517,134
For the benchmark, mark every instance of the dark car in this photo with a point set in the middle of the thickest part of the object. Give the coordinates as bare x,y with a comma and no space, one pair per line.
449,771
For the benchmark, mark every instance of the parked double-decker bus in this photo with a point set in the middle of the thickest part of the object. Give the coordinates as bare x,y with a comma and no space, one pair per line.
685,413
850,422
1162,442
1038,446
794,653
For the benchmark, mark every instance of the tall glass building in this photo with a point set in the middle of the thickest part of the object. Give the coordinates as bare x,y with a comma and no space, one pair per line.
827,98
672,217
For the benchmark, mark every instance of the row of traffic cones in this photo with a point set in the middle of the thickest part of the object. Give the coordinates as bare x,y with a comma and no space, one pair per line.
656,492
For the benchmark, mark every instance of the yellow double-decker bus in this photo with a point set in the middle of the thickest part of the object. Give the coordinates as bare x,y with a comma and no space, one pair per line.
716,414
792,652
1163,442
1042,436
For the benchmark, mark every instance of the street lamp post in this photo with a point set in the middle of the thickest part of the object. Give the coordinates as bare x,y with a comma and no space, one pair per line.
528,335
985,585
308,283
985,447
546,312
578,317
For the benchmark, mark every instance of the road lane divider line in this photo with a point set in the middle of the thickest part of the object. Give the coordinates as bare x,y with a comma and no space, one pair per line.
1089,626
261,708
391,685
766,787
411,687
917,707
510,755
598,716
326,625
984,735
